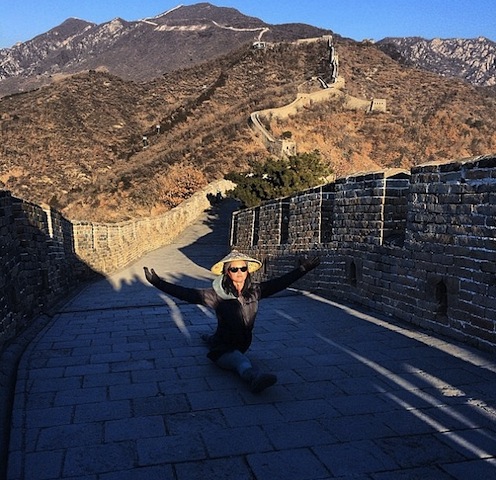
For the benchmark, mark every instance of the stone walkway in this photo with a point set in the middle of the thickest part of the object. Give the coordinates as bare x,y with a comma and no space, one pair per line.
117,387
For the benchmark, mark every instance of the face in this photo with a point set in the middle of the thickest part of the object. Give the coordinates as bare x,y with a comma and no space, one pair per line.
238,275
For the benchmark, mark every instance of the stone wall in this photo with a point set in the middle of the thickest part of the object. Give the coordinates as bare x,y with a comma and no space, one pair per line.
108,247
38,262
419,246
45,256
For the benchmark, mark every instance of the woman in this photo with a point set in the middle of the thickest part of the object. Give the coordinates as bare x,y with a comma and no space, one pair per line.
234,298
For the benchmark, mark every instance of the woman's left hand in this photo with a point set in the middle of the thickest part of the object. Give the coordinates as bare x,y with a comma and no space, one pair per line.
309,263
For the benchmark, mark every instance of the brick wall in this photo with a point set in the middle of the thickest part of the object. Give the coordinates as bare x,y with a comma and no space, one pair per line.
38,264
306,217
45,256
419,245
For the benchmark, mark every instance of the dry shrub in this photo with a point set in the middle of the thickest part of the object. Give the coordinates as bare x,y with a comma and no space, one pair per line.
179,183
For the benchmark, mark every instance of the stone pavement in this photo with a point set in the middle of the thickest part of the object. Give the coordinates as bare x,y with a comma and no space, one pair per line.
117,387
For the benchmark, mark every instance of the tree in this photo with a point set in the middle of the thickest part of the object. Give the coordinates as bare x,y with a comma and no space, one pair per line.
276,178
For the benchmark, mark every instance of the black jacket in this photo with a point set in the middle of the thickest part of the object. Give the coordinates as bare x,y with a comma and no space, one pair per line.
235,316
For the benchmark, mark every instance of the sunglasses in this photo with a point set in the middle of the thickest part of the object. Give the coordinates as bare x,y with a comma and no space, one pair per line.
235,269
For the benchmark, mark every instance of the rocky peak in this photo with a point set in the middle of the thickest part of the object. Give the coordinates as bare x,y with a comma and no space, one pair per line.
206,13
473,59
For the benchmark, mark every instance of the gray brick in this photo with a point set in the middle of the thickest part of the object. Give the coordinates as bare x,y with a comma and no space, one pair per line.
294,411
252,415
43,466
67,361
202,400
45,373
66,436
298,434
228,442
353,458
55,384
106,379
112,357
99,459
160,472
81,395
45,417
87,369
220,469
132,365
15,465
472,469
299,464
162,405
134,428
104,410
170,449
154,375
415,451
425,473
135,390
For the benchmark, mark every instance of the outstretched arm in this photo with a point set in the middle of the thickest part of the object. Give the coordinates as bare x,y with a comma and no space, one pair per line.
270,287
190,295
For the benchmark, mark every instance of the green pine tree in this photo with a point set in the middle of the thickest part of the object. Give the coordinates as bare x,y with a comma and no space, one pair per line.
276,178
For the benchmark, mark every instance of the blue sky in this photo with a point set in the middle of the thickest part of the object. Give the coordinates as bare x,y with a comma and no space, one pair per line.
21,20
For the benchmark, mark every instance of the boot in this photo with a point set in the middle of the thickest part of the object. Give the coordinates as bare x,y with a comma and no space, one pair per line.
257,381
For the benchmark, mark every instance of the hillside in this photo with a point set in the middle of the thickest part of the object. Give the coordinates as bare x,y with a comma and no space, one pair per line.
428,118
84,133
78,144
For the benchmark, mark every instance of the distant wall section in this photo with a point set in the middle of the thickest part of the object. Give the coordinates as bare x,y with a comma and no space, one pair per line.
106,247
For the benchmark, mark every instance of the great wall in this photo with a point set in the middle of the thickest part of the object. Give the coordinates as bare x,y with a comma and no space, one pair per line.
329,87
419,246
45,257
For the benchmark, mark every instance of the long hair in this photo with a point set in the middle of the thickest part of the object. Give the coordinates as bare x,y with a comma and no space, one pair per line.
228,285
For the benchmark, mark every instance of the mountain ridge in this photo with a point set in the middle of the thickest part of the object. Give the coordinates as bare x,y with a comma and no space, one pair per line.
138,50
77,144
144,49
474,60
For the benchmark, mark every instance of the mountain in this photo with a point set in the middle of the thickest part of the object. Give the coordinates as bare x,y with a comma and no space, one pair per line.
139,50
184,36
474,60
78,143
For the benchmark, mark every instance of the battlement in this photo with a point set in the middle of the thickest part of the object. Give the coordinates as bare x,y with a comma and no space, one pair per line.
45,256
418,245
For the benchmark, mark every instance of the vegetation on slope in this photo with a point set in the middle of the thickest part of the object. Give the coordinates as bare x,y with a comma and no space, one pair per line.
78,144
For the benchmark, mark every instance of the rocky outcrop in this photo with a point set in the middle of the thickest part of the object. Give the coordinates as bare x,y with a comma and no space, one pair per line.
473,60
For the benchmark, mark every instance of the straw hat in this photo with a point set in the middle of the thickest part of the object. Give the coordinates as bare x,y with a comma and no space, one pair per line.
253,264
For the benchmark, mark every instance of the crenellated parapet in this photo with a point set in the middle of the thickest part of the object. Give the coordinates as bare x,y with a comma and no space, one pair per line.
418,245
46,256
